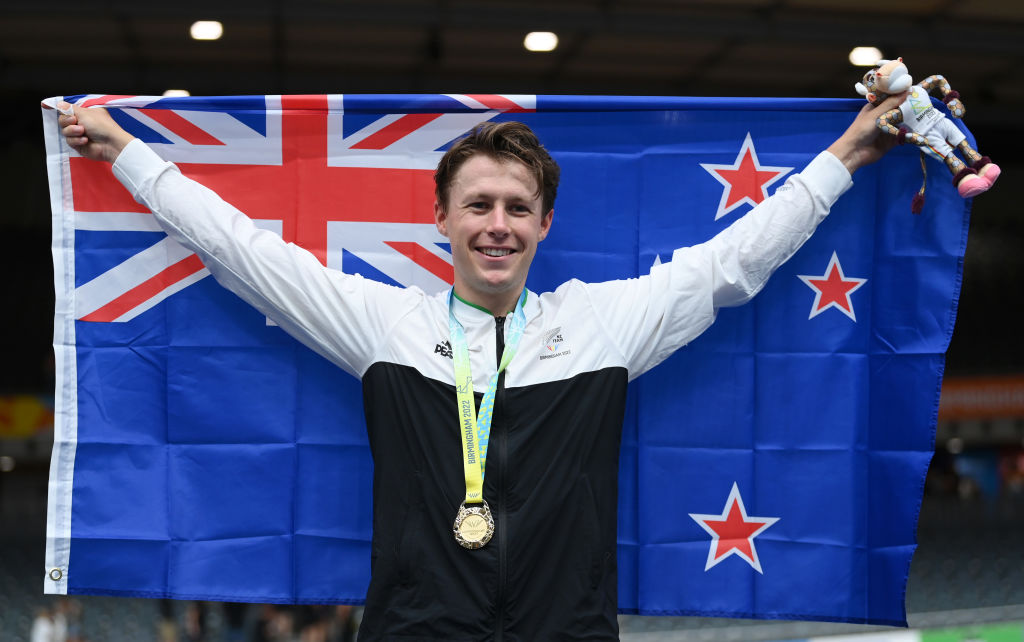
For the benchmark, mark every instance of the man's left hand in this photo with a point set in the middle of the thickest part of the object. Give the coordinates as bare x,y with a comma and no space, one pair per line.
863,142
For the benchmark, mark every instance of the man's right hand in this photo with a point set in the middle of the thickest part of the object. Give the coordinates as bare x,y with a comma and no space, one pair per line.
92,132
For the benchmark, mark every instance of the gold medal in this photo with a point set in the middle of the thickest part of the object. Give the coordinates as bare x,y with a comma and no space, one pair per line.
474,525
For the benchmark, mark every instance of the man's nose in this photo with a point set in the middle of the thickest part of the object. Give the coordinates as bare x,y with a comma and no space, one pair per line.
498,223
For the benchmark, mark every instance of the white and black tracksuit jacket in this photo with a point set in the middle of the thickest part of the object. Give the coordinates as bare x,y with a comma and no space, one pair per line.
550,571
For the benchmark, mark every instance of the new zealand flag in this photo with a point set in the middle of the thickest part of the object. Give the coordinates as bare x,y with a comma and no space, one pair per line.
773,468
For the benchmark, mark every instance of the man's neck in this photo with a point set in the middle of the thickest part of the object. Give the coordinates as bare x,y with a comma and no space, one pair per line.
497,306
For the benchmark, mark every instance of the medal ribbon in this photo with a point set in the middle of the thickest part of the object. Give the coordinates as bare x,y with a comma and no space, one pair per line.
476,430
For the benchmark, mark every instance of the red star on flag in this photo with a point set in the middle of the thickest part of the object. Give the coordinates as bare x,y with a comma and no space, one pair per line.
832,289
733,532
746,181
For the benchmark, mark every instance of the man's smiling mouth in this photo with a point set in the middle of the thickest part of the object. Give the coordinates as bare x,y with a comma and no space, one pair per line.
496,252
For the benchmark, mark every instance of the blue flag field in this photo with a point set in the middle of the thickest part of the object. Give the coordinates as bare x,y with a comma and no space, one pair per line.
773,468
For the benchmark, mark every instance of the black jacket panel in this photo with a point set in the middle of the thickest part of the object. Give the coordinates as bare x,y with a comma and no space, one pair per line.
551,483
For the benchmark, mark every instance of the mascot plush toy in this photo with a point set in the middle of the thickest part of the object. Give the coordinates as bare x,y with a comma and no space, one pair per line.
917,121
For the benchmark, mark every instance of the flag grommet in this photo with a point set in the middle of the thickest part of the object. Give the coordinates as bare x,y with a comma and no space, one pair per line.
56,574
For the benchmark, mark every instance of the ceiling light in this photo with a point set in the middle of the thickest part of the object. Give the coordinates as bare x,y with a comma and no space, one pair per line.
206,30
540,41
177,92
865,56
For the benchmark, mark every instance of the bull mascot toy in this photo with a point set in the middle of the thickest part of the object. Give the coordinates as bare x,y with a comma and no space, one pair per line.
918,122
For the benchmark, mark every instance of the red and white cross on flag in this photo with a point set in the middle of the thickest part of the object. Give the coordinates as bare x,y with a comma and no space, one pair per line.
332,190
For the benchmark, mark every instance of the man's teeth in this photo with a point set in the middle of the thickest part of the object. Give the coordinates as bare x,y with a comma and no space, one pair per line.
495,252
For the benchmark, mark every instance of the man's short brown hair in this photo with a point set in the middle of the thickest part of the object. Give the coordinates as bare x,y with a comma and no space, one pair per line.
506,141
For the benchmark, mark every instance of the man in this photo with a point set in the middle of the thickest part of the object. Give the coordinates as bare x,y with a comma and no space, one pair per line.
527,550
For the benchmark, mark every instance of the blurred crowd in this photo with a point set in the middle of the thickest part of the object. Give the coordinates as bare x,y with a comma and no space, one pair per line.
58,623
175,621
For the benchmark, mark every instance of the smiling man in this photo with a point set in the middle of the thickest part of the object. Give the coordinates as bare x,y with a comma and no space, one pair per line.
532,392
495,199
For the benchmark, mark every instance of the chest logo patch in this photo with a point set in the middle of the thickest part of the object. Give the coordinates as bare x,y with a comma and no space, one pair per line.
553,345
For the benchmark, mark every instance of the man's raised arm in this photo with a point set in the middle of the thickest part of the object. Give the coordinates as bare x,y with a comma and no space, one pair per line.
658,313
342,317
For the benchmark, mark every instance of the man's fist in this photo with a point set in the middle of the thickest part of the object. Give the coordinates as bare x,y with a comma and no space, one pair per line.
92,132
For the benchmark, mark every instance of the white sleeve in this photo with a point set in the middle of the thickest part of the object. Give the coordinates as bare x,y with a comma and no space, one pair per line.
342,317
652,316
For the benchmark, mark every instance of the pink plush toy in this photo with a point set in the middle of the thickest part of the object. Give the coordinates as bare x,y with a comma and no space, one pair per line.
917,121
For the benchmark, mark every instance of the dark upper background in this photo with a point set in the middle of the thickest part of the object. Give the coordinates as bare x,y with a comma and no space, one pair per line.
647,47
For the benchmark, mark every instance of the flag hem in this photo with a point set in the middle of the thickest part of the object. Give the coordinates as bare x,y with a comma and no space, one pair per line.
770,616
65,422
427,103
256,599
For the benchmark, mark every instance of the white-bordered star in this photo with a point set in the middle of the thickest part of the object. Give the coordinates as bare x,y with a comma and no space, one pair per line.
832,289
733,532
746,181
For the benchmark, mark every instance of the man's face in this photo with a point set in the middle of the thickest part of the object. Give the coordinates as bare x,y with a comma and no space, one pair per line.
494,221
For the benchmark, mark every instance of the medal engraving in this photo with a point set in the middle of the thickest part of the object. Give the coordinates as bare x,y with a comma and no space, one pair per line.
474,525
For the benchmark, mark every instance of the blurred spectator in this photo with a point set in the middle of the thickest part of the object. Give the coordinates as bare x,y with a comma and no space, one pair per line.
234,621
942,477
312,621
344,624
42,626
195,622
167,628
60,623
69,620
274,625
1012,471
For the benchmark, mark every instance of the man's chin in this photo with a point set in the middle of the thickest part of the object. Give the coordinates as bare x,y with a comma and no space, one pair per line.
495,285
496,280
499,287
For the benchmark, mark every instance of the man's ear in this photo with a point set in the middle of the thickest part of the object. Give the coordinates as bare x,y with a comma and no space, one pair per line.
545,224
440,218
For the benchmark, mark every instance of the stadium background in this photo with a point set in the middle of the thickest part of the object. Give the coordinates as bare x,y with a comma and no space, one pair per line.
967,579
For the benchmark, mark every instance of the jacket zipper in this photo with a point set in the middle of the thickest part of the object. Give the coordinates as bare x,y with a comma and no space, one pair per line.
499,329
